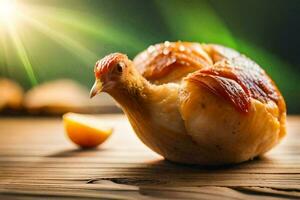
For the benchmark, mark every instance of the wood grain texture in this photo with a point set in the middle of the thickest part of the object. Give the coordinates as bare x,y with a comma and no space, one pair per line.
37,161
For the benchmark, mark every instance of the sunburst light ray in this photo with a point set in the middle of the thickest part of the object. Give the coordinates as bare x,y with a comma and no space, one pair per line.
8,15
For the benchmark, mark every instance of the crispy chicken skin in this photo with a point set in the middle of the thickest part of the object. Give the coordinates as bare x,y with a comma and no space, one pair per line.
169,62
196,103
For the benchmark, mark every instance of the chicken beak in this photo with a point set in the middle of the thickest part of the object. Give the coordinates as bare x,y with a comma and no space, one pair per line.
96,89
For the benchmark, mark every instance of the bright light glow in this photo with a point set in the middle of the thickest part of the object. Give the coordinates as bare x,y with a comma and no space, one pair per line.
7,10
8,14
21,21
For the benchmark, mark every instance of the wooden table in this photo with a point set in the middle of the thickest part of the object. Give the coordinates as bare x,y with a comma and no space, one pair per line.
37,161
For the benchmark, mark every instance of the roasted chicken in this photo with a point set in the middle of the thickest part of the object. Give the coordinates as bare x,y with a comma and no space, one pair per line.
196,103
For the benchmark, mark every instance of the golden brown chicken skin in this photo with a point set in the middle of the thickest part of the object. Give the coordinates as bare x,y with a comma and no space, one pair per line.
169,62
196,103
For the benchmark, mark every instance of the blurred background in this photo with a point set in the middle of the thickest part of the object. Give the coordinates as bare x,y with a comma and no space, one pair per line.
48,48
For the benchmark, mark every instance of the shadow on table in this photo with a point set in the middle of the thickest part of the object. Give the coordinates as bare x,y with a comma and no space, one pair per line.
76,152
159,171
163,172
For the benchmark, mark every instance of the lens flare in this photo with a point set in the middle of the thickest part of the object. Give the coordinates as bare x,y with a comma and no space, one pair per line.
7,10
22,54
65,41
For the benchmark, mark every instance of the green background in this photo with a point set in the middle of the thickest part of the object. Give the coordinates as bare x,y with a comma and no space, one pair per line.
64,39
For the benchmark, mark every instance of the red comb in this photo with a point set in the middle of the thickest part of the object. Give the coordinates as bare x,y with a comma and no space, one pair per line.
102,66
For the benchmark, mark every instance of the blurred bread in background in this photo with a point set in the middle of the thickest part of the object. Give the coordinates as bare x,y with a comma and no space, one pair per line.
53,97
64,95
11,95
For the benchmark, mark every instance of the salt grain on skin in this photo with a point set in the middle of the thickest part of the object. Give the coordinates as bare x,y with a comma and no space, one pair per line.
166,51
151,49
167,44
181,48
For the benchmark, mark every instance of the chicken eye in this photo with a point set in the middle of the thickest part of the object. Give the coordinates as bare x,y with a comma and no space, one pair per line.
120,67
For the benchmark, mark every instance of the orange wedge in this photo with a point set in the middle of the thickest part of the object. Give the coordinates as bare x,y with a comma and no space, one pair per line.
84,130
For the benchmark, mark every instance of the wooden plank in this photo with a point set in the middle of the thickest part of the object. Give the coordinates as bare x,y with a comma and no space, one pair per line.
37,161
